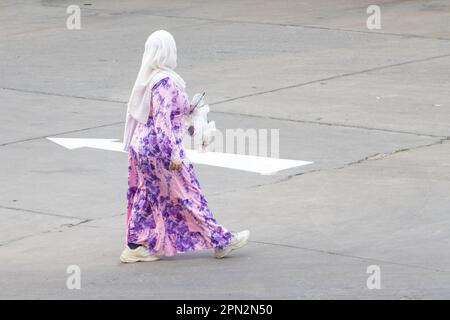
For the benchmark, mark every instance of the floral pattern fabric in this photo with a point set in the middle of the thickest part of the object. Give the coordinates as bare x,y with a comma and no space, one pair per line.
166,209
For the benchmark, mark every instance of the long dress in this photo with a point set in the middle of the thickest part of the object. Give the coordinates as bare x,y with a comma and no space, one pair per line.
166,209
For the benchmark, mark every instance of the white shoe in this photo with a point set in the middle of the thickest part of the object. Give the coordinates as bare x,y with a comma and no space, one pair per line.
238,240
141,253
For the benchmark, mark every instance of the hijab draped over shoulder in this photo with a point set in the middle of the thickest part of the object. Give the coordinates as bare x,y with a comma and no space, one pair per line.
158,62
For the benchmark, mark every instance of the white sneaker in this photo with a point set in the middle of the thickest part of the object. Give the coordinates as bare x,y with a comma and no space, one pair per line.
238,240
141,253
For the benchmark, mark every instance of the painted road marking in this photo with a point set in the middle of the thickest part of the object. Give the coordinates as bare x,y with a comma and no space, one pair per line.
261,165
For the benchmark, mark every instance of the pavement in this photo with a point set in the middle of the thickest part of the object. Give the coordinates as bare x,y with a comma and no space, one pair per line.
370,108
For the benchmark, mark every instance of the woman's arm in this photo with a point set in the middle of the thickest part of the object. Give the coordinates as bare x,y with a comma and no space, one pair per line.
164,101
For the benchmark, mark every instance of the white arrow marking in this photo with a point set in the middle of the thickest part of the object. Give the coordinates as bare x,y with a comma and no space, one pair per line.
261,165
75,143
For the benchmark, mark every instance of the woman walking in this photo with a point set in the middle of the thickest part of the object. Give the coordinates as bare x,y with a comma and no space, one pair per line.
166,212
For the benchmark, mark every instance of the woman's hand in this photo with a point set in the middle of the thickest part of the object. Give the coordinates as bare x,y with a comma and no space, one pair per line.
174,164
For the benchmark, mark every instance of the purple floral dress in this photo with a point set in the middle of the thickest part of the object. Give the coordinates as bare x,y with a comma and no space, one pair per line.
166,209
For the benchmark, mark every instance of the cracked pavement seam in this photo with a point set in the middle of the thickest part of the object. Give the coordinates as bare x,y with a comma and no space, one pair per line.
352,256
161,14
373,157
59,228
248,96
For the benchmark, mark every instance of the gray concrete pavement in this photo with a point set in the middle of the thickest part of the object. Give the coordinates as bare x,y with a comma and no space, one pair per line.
370,108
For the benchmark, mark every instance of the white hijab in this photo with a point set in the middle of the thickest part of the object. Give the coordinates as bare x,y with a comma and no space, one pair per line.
158,62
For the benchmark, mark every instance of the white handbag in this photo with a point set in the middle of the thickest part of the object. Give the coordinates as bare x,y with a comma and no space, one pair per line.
199,128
